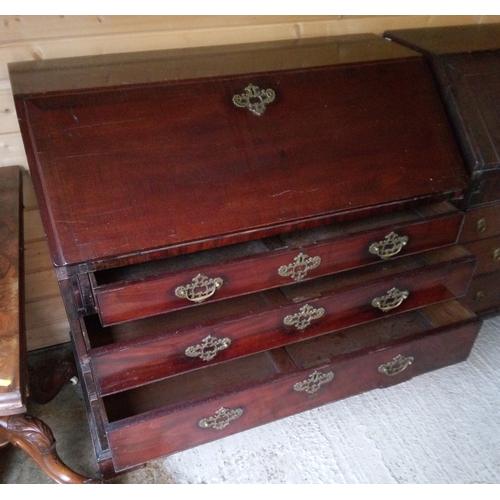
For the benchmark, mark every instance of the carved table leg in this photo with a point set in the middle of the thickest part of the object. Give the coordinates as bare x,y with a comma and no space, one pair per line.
37,440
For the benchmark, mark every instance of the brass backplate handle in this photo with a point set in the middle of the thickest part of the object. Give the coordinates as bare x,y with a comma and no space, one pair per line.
254,99
397,365
394,298
302,319
390,246
221,418
200,289
208,348
300,266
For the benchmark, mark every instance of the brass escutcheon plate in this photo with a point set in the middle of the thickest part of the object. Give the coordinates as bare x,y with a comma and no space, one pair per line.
314,382
209,348
300,266
394,298
254,99
302,319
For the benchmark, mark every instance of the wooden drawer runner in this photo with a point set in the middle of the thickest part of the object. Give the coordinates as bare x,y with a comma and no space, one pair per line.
148,289
136,353
185,411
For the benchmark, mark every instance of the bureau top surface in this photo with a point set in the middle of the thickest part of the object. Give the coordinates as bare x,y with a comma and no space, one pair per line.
165,161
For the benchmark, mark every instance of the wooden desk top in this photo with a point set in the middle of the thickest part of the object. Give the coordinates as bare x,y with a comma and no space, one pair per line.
12,349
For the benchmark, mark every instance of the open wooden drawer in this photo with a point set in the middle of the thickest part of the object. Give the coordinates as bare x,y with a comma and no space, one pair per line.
141,290
191,409
139,352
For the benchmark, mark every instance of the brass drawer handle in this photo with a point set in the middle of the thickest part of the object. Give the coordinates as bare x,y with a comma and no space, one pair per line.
200,289
254,99
481,225
394,298
390,246
397,365
209,348
496,254
300,266
303,318
221,418
314,382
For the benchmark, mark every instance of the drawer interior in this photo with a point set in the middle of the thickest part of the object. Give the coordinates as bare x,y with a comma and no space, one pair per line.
232,376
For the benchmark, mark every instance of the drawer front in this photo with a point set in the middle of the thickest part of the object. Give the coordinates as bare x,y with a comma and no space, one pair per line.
488,254
148,436
483,295
166,352
481,223
147,296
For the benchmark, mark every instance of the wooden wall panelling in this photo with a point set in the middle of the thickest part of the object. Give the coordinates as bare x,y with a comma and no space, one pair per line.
40,37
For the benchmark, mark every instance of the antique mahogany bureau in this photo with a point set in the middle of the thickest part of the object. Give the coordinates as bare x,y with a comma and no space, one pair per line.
466,64
242,233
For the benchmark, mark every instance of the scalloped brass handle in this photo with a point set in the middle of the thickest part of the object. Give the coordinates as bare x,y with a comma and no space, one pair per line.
394,298
390,246
397,365
221,418
200,289
254,99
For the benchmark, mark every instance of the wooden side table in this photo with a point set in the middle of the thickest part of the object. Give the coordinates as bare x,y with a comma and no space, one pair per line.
16,426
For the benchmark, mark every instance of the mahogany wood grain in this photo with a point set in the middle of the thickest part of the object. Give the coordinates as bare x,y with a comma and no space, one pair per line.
139,352
149,289
229,175
265,396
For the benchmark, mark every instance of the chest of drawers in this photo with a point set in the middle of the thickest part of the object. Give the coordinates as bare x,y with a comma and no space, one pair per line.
466,63
243,233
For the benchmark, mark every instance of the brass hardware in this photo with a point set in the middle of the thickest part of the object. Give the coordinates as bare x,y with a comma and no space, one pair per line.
254,99
397,365
221,419
299,267
479,296
390,246
496,255
394,298
201,289
314,382
303,318
208,348
481,225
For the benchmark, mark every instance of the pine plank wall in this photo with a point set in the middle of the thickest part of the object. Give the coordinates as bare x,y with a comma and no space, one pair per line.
43,37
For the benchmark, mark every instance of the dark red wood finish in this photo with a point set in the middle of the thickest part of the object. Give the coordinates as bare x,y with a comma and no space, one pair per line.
143,351
466,62
267,393
173,165
480,223
147,174
149,291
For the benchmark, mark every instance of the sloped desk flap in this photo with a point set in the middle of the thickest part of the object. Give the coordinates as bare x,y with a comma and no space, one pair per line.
156,152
